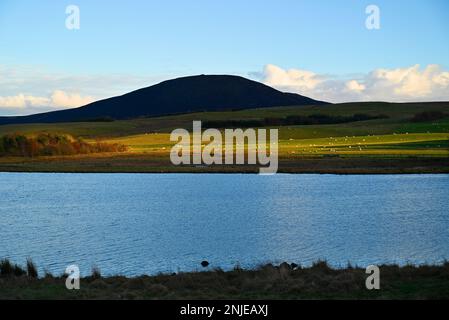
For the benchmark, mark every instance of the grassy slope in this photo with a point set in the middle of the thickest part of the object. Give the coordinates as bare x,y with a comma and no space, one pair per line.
266,282
393,138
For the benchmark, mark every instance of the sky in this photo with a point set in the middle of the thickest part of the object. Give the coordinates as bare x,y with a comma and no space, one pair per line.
319,48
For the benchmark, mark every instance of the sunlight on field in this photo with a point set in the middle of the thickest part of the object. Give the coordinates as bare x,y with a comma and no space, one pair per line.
395,135
428,144
396,144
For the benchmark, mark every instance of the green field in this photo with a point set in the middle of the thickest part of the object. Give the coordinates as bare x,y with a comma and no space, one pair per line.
394,137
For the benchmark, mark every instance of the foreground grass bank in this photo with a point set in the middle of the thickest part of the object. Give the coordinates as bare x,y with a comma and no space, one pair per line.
286,281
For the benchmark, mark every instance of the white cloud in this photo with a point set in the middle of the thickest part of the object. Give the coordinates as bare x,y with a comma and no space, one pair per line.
413,83
303,79
353,85
61,99
23,101
58,99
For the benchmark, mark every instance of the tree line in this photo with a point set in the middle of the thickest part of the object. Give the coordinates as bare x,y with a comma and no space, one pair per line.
427,116
314,119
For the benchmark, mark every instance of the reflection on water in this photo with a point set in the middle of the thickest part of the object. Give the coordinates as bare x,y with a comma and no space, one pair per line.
145,223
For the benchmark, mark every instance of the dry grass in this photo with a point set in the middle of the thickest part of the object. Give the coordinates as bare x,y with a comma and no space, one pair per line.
286,281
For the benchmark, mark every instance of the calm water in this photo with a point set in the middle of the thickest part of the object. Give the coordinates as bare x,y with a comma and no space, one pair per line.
146,223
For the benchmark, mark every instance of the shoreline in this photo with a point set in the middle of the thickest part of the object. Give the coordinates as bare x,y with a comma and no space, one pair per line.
141,163
235,173
277,282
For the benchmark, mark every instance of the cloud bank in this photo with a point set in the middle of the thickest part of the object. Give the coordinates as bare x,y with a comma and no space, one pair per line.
29,89
58,99
413,83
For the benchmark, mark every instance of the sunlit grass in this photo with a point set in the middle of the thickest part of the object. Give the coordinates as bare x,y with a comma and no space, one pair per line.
427,144
394,136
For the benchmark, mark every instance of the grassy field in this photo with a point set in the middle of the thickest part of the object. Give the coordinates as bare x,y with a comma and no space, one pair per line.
286,281
359,144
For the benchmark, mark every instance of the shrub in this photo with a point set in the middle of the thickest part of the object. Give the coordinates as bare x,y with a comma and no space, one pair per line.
46,144
7,269
96,273
31,269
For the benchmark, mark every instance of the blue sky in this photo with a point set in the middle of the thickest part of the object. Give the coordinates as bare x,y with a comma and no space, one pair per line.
147,41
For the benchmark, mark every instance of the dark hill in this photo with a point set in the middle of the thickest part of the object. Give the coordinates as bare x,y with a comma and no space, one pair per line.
181,95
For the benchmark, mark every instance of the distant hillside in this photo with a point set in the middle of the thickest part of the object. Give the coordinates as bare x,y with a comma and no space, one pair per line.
181,95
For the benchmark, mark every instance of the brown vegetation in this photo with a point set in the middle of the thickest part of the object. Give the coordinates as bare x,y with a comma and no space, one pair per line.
48,144
284,281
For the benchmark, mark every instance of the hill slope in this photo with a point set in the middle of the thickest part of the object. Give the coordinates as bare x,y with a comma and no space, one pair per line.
181,95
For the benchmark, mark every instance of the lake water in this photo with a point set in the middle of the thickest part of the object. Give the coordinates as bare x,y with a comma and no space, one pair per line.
147,223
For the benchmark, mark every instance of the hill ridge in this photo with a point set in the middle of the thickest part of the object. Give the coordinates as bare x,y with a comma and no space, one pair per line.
175,96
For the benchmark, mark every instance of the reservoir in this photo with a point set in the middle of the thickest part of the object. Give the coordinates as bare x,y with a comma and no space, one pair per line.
132,224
